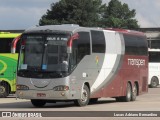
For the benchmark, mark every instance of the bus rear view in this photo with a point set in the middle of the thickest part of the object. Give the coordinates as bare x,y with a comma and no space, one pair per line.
72,63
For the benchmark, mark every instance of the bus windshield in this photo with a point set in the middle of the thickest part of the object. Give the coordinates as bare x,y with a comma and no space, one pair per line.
45,55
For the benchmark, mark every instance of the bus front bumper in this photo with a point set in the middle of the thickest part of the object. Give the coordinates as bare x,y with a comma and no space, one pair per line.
49,95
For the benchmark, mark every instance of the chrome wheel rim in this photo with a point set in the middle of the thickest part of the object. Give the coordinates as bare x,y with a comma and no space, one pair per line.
84,96
2,89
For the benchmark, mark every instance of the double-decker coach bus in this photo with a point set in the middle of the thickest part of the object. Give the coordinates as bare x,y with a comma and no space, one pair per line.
8,64
68,62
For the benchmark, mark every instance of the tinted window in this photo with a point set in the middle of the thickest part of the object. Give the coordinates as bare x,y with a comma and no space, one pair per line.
154,56
142,46
98,42
5,45
154,44
83,45
74,54
18,47
52,49
135,45
80,48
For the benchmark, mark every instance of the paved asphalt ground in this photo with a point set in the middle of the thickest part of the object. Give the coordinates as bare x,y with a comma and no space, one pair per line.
150,103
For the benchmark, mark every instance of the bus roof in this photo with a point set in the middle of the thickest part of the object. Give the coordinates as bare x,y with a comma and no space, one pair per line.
70,28
74,27
49,28
125,31
8,35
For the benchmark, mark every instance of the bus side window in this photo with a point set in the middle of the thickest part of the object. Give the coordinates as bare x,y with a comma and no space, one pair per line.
80,48
135,45
98,42
73,58
18,47
83,45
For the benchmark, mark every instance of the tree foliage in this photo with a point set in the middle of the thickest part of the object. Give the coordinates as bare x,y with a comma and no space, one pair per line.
91,13
118,15
82,12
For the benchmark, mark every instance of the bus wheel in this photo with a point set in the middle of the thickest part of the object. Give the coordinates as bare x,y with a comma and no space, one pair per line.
134,93
84,97
127,98
38,103
154,82
4,90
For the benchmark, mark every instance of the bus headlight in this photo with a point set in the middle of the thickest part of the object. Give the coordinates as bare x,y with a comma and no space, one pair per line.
61,88
22,87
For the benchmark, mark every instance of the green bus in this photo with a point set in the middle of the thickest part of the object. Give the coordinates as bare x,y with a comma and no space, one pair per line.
8,64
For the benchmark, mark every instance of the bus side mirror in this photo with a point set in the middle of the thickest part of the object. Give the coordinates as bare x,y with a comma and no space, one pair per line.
70,41
14,44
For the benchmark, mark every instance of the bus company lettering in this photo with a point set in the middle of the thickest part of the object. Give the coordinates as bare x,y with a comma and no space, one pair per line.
137,62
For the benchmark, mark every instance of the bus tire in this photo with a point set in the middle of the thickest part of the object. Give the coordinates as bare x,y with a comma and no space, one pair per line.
154,82
128,96
38,103
134,93
4,90
84,97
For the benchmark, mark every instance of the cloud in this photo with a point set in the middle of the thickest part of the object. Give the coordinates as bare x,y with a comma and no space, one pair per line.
144,22
19,18
18,14
21,14
146,12
26,3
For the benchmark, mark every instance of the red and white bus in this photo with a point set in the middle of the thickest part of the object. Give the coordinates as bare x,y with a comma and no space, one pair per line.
80,64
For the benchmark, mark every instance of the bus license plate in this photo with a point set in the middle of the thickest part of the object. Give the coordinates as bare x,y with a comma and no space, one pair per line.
41,95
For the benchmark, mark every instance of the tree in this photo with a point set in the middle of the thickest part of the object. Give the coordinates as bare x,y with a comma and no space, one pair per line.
91,13
82,12
118,15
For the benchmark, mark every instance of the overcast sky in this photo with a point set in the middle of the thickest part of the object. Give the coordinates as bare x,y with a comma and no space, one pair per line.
22,14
